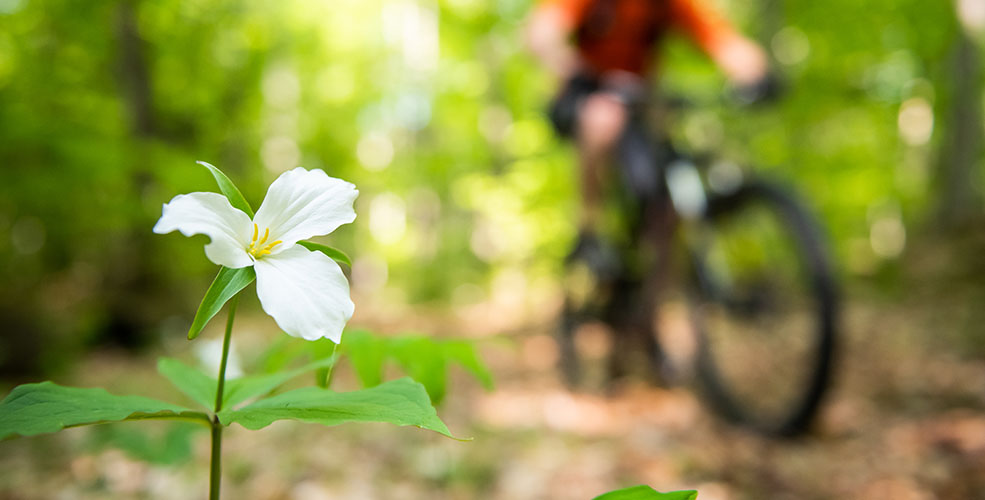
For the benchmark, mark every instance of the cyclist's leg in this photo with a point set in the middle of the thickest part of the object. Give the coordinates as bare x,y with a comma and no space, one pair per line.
601,121
635,349
657,234
640,158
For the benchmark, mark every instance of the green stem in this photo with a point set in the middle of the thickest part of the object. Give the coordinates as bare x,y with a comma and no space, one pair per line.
225,353
331,367
215,471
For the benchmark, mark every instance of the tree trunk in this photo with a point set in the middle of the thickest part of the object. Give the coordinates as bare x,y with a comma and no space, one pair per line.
962,142
133,72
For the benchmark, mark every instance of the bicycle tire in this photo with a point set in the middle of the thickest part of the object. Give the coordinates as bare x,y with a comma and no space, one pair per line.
727,307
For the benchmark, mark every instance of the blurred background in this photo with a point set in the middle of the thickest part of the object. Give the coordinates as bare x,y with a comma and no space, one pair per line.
468,205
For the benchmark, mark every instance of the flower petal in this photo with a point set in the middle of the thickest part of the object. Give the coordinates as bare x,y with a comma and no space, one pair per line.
305,292
212,215
304,203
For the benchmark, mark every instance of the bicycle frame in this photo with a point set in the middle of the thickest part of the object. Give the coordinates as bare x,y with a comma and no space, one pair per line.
673,192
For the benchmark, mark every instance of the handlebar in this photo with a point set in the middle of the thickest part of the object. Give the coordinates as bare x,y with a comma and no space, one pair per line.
764,91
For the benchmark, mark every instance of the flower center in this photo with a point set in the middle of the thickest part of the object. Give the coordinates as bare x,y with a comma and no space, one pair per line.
259,248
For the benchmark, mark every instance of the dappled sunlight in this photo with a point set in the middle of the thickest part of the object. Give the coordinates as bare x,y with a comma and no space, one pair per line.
916,121
589,415
469,206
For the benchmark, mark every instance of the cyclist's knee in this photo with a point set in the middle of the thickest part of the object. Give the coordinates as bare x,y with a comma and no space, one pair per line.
600,122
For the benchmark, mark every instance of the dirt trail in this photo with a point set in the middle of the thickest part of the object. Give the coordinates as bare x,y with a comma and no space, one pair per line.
906,420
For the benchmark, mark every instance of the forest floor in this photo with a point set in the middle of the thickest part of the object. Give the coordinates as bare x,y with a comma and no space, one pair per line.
904,421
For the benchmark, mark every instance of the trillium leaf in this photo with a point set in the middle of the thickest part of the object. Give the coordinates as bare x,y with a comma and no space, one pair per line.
47,407
366,354
399,402
334,253
227,284
464,354
229,189
201,387
425,359
647,493
240,389
195,384
171,446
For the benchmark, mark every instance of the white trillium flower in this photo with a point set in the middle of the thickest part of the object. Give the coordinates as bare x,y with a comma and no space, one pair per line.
304,291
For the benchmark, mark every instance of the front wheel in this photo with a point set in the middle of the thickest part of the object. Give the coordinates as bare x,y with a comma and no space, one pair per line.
765,309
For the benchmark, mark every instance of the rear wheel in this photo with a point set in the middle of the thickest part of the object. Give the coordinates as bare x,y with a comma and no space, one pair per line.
765,309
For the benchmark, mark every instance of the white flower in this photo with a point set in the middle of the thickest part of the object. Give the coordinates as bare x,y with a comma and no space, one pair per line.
304,291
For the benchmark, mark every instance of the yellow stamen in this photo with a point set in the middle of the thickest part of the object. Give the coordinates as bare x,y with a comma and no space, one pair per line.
257,248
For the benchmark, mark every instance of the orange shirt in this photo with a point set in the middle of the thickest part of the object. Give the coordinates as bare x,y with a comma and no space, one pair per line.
621,34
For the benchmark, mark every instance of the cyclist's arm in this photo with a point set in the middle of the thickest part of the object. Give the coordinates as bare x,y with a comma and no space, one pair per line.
548,32
742,60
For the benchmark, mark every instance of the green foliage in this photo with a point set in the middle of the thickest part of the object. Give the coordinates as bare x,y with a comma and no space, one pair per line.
643,492
228,189
46,407
463,352
193,383
424,358
367,354
241,389
461,180
227,283
334,253
171,446
201,387
399,402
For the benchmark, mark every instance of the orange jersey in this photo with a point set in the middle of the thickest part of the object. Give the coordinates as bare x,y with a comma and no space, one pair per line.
621,34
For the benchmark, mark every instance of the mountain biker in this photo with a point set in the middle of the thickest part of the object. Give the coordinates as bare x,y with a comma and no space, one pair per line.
606,69
610,61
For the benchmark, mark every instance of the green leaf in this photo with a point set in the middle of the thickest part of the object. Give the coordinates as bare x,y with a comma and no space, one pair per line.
423,359
201,387
172,446
400,402
227,283
229,189
240,389
367,355
322,349
647,493
282,352
336,254
463,353
47,407
195,384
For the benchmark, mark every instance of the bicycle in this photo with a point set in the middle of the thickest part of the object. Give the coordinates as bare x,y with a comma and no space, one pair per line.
759,283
